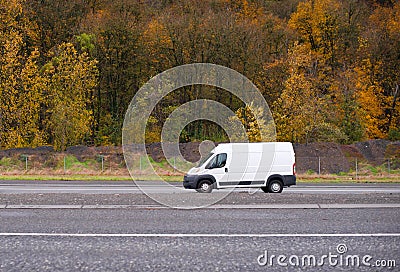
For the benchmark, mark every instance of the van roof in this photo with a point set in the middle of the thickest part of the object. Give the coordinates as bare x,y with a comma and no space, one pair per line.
255,147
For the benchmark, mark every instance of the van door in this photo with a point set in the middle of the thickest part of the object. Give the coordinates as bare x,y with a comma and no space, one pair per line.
216,167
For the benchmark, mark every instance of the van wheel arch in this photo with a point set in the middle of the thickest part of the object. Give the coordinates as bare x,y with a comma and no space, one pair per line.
205,186
274,184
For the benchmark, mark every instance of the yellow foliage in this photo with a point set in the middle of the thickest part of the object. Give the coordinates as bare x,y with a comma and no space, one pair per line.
72,78
369,97
394,20
250,12
21,86
156,34
255,124
300,110
318,23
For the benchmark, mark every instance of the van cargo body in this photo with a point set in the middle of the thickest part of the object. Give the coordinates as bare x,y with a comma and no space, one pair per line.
269,166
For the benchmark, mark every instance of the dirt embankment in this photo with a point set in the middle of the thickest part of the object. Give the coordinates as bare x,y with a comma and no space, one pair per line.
325,157
329,157
335,158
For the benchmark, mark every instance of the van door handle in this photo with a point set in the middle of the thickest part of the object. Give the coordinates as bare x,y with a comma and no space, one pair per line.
226,170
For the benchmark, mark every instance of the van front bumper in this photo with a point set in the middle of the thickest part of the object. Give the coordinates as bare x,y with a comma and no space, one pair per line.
190,182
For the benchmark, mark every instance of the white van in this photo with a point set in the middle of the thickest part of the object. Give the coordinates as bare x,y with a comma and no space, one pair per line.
269,166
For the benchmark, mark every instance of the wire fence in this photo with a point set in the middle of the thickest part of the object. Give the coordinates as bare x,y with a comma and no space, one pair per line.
63,164
114,164
347,166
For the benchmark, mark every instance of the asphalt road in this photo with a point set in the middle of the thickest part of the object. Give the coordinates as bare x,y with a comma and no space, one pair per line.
194,253
196,240
351,227
218,221
124,187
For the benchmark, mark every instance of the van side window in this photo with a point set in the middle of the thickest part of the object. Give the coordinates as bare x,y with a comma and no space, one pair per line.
217,162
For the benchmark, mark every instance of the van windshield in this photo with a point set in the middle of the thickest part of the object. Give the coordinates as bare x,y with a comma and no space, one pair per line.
204,159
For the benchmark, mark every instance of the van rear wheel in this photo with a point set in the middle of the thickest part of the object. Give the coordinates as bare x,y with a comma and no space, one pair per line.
275,186
205,186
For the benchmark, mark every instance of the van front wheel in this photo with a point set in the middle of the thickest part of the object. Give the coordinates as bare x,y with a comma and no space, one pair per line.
205,186
275,186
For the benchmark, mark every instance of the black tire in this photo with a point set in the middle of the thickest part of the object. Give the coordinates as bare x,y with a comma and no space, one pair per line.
275,186
205,186
265,189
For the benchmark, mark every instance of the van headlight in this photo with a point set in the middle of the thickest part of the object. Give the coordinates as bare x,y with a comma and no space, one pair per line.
194,170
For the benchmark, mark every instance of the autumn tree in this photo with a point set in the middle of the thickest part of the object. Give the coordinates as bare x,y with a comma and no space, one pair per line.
380,65
302,112
256,125
237,34
329,68
330,29
319,24
72,79
112,32
369,98
58,21
21,86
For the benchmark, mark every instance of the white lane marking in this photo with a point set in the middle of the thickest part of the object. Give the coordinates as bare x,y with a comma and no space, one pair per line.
202,235
215,206
344,189
46,206
305,206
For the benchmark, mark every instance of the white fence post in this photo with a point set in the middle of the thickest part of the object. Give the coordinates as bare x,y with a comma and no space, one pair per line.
319,166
